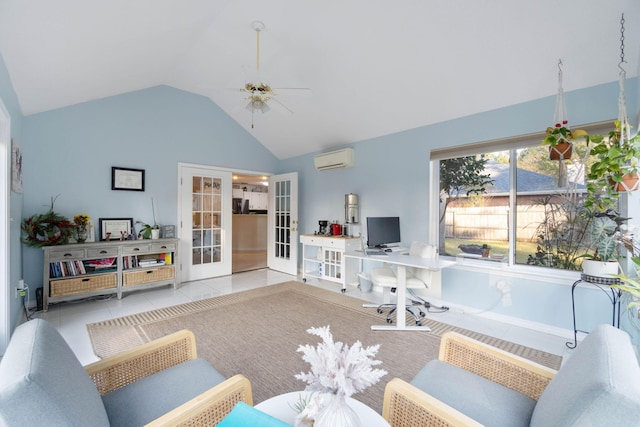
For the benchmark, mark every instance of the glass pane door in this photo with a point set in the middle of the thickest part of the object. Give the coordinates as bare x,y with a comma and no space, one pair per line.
283,223
207,214
205,221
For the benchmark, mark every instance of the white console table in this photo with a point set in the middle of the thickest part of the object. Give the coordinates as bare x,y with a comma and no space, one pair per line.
402,261
323,258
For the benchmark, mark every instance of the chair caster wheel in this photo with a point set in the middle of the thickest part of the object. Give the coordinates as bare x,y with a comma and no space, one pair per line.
422,314
304,280
418,323
343,290
379,310
389,321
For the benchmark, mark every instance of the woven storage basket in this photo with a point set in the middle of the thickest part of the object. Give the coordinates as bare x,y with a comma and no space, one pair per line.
77,285
145,276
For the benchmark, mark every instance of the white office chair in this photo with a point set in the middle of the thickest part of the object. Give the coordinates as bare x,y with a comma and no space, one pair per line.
417,278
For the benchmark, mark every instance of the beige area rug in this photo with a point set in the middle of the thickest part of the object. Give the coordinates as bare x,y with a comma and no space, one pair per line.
257,333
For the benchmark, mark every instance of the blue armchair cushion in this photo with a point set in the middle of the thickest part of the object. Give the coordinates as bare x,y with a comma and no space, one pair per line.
598,385
149,398
43,383
487,402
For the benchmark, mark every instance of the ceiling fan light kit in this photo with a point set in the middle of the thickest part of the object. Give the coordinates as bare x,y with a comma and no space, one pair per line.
260,93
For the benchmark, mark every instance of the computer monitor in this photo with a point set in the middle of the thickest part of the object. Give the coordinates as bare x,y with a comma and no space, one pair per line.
383,231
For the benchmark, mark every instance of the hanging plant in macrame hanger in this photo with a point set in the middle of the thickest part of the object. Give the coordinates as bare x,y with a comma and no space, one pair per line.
624,175
559,138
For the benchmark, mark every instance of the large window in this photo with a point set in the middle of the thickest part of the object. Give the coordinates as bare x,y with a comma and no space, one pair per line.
508,200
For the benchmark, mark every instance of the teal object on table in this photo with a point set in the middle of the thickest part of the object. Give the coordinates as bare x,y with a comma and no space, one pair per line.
243,415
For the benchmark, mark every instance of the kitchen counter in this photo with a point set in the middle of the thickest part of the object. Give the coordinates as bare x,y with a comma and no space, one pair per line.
249,232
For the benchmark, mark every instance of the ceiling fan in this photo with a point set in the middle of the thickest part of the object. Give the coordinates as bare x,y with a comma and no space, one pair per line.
260,92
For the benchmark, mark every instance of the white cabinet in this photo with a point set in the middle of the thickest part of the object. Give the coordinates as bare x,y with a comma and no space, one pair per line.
257,201
323,258
261,201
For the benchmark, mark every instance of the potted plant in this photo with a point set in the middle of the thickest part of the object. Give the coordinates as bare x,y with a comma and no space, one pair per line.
148,231
605,242
560,140
615,169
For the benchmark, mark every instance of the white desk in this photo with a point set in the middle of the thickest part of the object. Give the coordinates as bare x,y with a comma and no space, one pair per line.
402,261
281,407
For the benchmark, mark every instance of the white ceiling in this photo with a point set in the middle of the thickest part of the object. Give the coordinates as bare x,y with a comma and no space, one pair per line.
374,67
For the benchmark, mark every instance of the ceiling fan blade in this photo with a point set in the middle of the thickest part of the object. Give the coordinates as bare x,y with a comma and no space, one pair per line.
291,88
281,105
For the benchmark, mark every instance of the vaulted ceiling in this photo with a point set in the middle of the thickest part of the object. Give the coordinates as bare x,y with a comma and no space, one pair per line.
372,67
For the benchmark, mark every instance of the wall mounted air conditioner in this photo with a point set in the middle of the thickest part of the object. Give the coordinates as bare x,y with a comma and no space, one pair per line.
335,159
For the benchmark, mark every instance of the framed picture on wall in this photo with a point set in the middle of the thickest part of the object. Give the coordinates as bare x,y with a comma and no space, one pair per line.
127,179
16,167
113,228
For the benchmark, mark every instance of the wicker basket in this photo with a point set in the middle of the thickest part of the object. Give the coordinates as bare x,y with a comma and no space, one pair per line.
76,285
138,277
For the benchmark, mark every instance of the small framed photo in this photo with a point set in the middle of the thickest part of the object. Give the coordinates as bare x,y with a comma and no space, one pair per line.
127,179
114,228
168,231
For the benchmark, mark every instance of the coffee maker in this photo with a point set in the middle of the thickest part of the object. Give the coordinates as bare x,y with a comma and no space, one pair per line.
324,224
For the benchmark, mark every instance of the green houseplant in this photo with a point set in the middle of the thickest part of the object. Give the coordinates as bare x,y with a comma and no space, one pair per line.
605,237
560,140
150,231
630,283
147,231
615,169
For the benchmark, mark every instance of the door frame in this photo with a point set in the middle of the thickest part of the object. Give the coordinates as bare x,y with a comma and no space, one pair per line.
180,195
5,228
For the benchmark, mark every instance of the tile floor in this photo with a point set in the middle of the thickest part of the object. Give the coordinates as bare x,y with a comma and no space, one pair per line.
71,317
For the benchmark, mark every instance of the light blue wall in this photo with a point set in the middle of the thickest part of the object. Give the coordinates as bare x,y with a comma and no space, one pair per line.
8,97
69,153
391,176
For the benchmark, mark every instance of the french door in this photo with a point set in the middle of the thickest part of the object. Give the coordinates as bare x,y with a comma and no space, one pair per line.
282,235
205,221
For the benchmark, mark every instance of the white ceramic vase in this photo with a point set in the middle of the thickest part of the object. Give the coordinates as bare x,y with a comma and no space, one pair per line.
337,413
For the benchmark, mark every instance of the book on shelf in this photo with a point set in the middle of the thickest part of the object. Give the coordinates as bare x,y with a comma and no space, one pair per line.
150,262
66,268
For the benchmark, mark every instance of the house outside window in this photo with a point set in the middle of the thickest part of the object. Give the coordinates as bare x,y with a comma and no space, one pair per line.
505,201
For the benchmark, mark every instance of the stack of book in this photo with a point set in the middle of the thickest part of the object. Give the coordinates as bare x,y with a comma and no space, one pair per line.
150,262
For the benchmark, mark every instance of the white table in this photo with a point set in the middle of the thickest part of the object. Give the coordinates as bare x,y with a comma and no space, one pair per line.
281,407
402,261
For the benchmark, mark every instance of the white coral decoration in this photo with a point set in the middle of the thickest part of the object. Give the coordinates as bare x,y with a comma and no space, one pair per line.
336,368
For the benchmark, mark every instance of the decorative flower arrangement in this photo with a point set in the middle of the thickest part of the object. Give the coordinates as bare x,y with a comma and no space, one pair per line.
337,368
81,220
337,371
47,229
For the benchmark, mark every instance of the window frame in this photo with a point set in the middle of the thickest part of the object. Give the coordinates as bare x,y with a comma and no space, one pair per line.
511,144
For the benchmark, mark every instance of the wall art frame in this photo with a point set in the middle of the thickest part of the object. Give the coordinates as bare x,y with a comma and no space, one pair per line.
127,179
114,226
16,167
